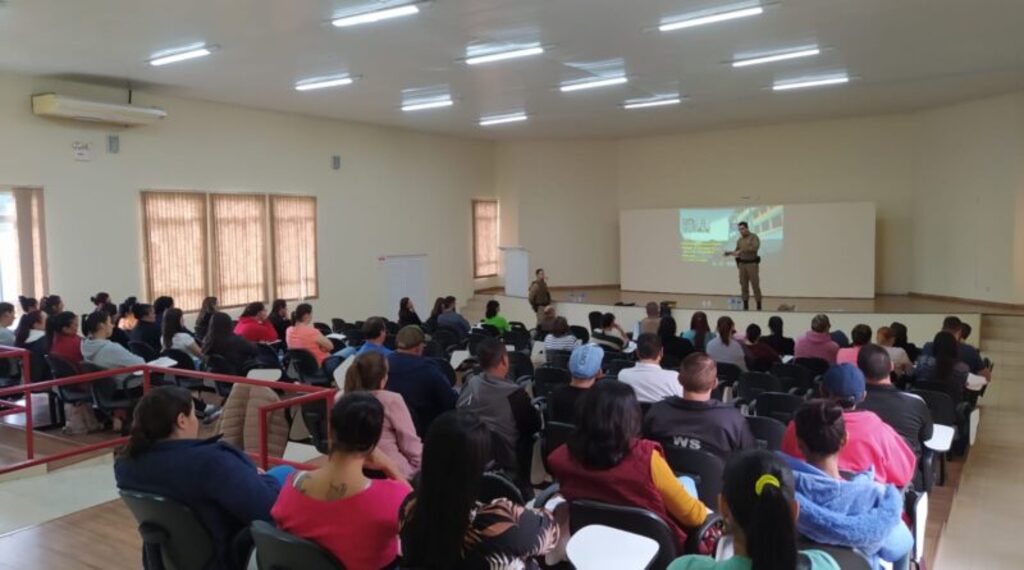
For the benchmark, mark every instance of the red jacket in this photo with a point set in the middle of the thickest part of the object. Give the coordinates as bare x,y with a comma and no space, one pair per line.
254,331
870,443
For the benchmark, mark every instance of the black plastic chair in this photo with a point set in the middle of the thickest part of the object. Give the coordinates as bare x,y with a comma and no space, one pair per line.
315,416
171,529
495,485
446,368
618,365
279,550
728,374
108,397
776,405
580,332
817,366
61,368
584,513
767,431
705,468
519,365
520,339
338,325
547,379
306,367
558,358
474,340
847,558
323,328
217,364
446,337
753,384
489,330
945,412
184,361
552,437
594,318
795,378
355,338
391,327
143,350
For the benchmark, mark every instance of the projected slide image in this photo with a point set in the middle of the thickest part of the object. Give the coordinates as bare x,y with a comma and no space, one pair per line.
706,233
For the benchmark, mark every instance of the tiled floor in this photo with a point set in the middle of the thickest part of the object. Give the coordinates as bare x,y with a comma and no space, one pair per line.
35,500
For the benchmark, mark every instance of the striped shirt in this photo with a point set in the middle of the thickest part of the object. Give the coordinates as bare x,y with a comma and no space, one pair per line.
567,342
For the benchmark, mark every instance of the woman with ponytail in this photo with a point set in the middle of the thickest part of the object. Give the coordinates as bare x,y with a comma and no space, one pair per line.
758,504
398,440
52,305
28,304
304,336
126,315
217,481
279,318
62,336
856,512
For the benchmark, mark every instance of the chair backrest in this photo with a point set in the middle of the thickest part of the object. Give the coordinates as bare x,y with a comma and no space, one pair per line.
705,468
474,341
547,378
519,338
445,337
315,416
558,358
552,437
495,485
392,327
794,376
519,365
104,390
181,359
304,362
728,372
847,558
489,330
184,542
618,365
817,366
142,349
777,405
752,384
355,337
594,317
941,406
338,325
279,550
767,431
583,513
580,332
60,367
323,328
39,369
446,368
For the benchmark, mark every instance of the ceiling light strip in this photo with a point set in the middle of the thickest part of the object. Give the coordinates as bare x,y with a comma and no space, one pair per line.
593,83
188,54
502,119
323,83
501,56
376,16
711,18
806,52
806,83
434,104
646,103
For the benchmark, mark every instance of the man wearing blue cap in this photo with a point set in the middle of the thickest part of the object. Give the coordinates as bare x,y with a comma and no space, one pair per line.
585,368
870,442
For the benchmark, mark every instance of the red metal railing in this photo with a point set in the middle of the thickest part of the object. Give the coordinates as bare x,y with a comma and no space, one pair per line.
27,388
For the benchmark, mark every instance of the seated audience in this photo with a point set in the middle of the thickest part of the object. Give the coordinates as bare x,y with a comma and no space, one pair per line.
160,306
215,480
965,352
176,336
208,308
907,413
126,314
695,420
52,305
62,337
446,527
673,345
145,329
817,343
100,300
425,389
782,345
336,506
560,338
223,342
649,380
724,347
871,442
98,349
650,323
758,503
375,331
253,325
431,323
942,364
504,406
899,330
451,319
861,335
606,460
840,338
119,335
901,363
280,319
407,313
31,332
700,332
491,317
585,369
398,440
760,356
856,513
546,322
6,320
28,304
304,336
611,335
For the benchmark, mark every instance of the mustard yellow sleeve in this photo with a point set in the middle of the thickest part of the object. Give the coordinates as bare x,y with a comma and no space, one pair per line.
686,509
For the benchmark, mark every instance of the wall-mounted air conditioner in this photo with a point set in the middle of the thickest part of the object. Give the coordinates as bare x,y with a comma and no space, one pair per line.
53,105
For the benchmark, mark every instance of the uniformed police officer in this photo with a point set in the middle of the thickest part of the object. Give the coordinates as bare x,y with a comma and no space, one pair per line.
748,263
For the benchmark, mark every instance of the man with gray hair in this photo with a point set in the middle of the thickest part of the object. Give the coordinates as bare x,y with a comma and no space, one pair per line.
817,343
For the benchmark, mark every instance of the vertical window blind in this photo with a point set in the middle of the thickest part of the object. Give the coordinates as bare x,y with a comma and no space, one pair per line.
23,267
238,227
293,227
485,238
174,226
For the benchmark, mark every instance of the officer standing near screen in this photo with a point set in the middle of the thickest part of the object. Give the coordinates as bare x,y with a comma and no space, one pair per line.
748,264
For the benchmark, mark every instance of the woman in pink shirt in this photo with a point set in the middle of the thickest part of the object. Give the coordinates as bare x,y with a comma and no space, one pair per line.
369,373
860,335
337,506
303,335
253,325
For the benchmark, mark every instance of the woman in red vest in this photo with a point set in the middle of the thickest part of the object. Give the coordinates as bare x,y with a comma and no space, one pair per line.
605,460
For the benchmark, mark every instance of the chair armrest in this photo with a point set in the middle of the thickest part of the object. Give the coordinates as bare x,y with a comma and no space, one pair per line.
704,539
545,496
942,438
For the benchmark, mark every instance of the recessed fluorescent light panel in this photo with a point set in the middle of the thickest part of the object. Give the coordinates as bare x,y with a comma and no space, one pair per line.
655,102
427,104
593,83
373,16
180,54
502,119
323,82
503,55
811,82
706,17
797,53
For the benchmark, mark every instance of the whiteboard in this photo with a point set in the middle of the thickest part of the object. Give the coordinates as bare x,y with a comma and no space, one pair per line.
406,276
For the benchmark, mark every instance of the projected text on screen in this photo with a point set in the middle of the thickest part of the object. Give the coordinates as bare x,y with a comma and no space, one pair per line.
706,233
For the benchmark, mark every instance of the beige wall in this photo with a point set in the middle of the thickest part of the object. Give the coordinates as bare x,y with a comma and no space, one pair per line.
397,192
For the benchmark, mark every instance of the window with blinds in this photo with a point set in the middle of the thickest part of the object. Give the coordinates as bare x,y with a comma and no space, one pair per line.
174,226
485,238
23,269
238,228
293,228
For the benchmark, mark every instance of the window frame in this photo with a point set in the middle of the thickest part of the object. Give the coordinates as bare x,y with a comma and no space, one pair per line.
497,238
